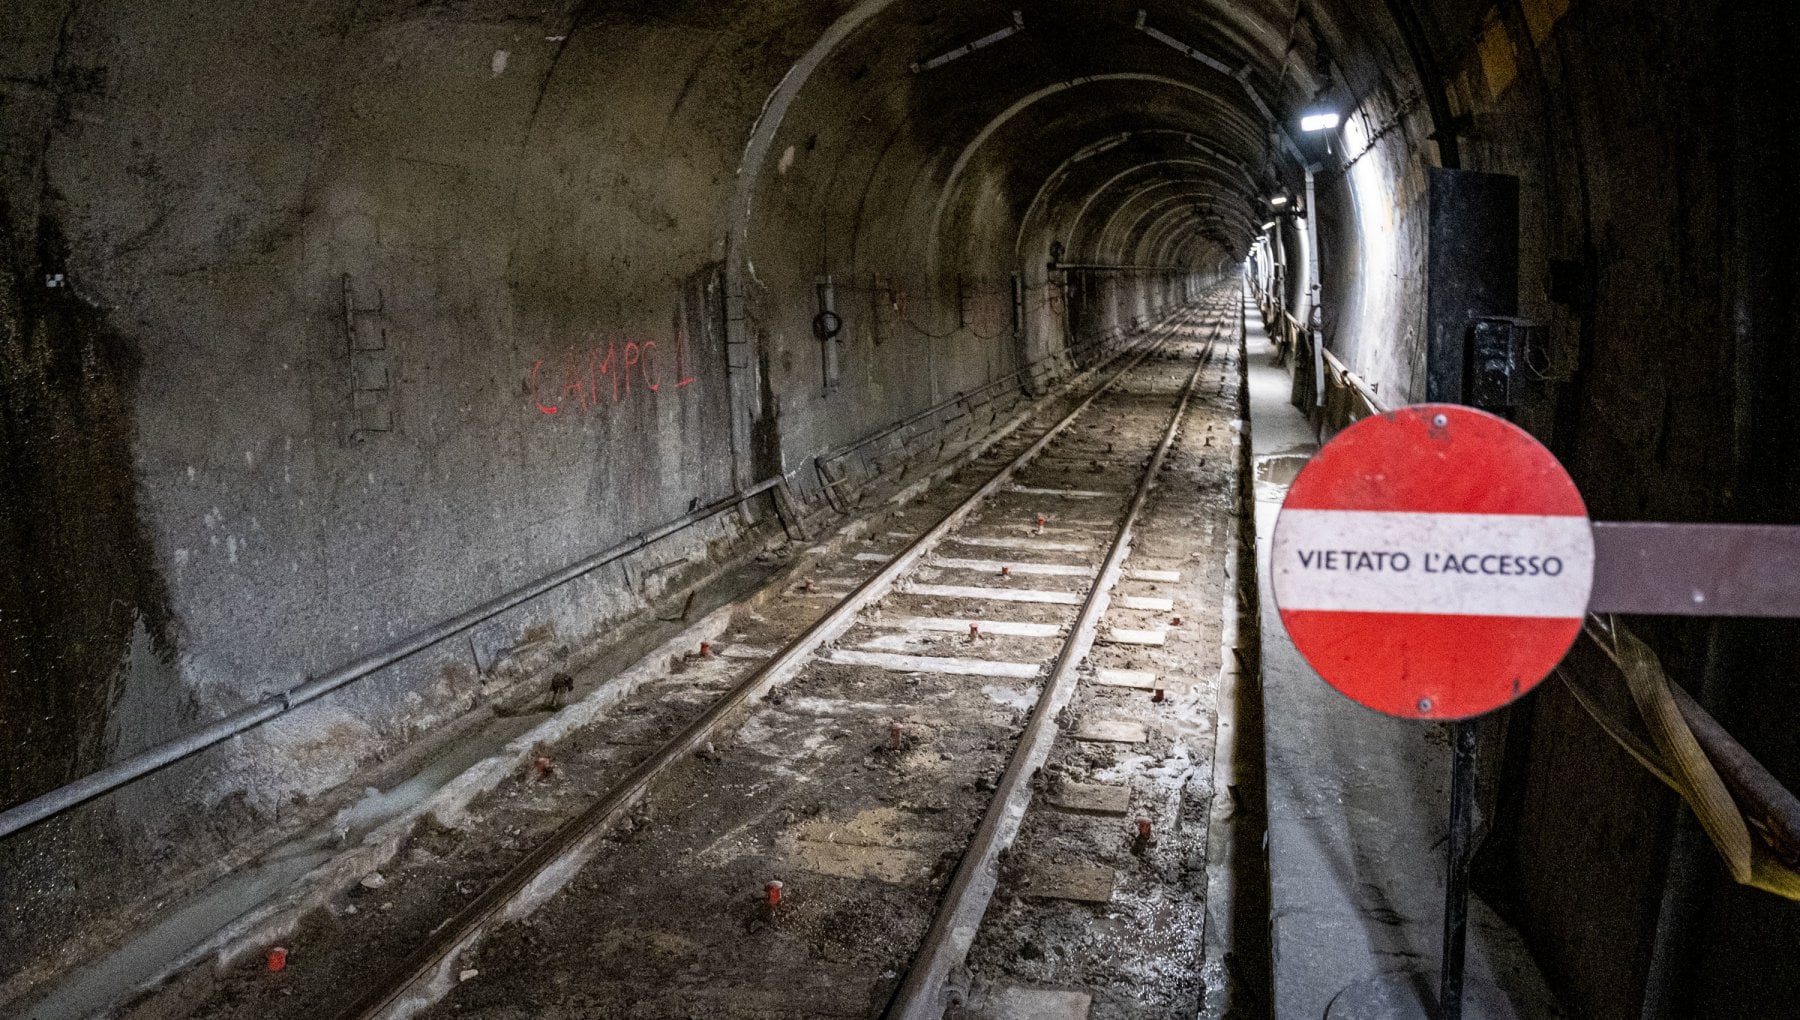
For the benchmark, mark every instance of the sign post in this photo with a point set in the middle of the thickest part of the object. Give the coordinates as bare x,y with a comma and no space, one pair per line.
1435,563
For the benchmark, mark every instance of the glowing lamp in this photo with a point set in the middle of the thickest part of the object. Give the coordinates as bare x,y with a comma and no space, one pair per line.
1320,120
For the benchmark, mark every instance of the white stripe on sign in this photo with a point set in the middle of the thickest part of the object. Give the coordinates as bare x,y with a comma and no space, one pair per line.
1438,564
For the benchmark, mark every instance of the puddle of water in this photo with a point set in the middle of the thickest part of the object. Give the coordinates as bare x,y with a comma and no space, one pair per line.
1280,470
93,988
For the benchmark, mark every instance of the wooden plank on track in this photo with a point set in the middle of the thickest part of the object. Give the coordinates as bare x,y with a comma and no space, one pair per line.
961,591
993,567
934,664
956,625
1032,490
1133,636
1021,544
1136,679
1150,603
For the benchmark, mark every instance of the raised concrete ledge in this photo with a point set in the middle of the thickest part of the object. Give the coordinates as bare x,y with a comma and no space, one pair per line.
1358,806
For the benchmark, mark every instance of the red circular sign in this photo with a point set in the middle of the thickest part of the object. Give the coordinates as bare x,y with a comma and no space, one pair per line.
1433,562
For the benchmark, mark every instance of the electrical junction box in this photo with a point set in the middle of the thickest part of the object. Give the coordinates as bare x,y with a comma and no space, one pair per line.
1497,353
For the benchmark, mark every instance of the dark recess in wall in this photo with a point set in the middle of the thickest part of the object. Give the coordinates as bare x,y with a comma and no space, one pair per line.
77,572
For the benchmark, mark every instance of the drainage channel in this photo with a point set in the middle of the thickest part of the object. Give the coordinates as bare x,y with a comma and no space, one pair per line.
906,623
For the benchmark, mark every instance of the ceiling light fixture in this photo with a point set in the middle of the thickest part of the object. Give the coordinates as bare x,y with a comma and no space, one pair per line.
1319,120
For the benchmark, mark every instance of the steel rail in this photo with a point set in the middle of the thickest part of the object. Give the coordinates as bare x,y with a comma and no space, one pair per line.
921,995
425,974
96,784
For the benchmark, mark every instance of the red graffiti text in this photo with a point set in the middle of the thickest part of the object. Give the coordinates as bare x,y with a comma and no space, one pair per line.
582,379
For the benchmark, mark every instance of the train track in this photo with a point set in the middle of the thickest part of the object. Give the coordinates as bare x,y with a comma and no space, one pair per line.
866,641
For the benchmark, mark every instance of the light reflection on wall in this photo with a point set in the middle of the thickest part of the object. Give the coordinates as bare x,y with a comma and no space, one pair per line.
1372,193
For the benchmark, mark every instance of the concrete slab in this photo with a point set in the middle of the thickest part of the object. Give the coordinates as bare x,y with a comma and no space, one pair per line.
1137,679
1016,1002
1090,798
1080,881
1134,636
1062,493
1169,576
960,625
961,591
1112,731
993,567
1146,602
881,863
1022,544
933,664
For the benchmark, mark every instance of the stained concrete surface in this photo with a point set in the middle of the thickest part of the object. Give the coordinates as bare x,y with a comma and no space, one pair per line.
1358,802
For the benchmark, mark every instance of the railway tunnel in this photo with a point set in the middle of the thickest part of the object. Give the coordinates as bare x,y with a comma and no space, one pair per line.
755,510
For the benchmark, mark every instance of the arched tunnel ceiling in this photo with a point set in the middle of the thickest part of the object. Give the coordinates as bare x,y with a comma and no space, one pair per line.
946,131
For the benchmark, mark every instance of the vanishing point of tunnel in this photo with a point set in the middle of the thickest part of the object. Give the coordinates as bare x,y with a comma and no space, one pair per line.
900,509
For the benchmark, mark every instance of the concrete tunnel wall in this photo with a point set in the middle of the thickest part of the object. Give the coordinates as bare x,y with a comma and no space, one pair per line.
219,483
194,517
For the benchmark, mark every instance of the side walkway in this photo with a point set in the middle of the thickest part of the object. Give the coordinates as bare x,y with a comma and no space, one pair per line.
1357,809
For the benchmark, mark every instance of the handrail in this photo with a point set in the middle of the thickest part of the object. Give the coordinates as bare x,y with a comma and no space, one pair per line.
63,798
1339,379
1356,384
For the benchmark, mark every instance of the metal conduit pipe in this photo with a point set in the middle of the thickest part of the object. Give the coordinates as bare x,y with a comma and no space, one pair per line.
63,798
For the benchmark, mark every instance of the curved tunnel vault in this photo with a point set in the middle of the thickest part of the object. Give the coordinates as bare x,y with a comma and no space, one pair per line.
320,325
913,166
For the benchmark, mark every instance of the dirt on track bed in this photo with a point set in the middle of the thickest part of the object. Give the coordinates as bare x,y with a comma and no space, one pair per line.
670,918
1141,954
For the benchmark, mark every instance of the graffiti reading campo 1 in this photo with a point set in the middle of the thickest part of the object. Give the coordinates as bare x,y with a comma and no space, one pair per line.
583,378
